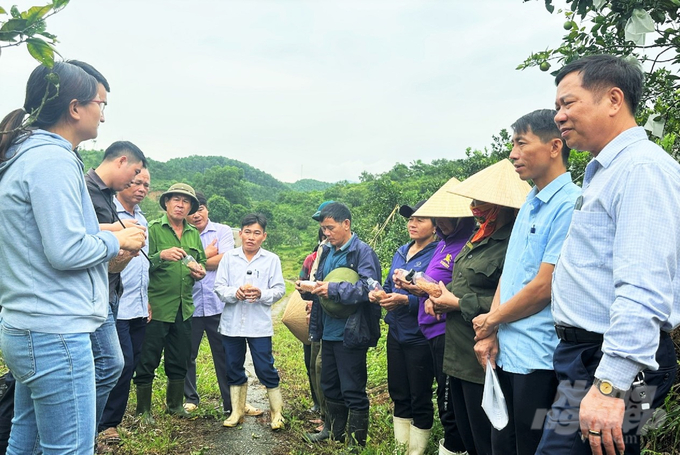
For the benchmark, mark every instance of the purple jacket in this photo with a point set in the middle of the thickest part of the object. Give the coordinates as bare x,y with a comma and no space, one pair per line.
441,269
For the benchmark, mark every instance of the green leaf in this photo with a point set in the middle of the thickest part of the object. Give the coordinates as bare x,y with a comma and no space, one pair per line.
36,12
549,6
59,3
41,51
658,16
583,7
49,36
13,27
15,12
2,10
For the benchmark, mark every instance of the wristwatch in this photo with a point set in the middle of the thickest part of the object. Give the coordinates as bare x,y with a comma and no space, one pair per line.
607,389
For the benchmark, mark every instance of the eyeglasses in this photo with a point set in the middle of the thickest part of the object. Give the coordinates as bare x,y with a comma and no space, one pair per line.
102,104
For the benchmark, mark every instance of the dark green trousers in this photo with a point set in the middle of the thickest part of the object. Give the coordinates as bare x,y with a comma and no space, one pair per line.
169,339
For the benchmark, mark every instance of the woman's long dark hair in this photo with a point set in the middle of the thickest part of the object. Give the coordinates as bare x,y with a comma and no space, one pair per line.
47,100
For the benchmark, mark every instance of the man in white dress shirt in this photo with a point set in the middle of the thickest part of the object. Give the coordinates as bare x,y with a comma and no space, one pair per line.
249,281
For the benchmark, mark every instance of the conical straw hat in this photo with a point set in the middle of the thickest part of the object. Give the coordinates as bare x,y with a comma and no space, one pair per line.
295,317
497,184
444,204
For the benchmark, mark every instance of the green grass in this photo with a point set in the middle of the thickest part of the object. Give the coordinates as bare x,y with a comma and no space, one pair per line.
173,436
168,435
290,362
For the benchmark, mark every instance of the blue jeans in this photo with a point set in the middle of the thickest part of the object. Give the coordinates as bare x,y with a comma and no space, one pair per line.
131,335
54,400
108,361
263,360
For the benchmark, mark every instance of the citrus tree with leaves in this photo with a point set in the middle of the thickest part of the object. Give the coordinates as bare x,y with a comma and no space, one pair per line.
647,30
29,27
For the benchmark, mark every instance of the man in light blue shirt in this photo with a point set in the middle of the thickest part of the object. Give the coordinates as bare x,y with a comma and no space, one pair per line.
520,310
249,281
217,239
616,287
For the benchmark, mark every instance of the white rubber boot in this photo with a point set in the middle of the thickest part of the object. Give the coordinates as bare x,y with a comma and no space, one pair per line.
238,403
444,451
419,439
402,433
276,406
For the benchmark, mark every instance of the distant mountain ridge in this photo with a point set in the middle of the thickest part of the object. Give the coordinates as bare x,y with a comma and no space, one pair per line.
263,185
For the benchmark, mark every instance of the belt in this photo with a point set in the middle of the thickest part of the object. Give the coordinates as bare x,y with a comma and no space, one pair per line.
576,335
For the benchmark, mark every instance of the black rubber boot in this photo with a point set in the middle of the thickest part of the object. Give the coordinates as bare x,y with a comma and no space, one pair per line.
320,436
336,419
144,403
357,427
174,398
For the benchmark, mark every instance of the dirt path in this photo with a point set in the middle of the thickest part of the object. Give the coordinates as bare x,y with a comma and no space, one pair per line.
254,437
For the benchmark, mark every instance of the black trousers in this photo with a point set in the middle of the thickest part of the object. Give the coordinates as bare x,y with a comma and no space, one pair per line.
131,336
453,441
410,374
473,424
170,341
307,350
209,325
6,411
344,375
575,365
528,397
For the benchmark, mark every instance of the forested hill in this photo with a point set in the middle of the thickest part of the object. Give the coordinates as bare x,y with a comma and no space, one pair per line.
262,185
234,189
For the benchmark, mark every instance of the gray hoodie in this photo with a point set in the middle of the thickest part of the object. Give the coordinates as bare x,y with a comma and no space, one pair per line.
53,256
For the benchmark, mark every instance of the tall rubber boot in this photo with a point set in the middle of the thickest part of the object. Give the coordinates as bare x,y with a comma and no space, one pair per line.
276,407
174,398
357,427
336,419
323,435
444,451
144,403
419,439
238,404
402,433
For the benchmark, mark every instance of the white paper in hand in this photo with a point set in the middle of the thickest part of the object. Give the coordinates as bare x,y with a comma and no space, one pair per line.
493,401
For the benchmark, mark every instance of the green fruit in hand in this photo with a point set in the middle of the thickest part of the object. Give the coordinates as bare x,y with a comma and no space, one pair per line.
545,66
569,25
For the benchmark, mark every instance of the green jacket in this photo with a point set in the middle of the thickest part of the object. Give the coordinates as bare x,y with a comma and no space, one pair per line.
170,282
476,272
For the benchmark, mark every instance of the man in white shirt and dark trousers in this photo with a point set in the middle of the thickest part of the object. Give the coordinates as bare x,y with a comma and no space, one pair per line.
249,281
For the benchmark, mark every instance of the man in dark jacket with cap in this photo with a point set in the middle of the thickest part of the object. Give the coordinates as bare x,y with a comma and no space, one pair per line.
177,261
346,321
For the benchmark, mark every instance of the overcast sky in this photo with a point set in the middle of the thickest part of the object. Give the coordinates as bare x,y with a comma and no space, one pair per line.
303,89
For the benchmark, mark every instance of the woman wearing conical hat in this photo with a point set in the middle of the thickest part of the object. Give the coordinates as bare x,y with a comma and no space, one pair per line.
496,193
454,225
